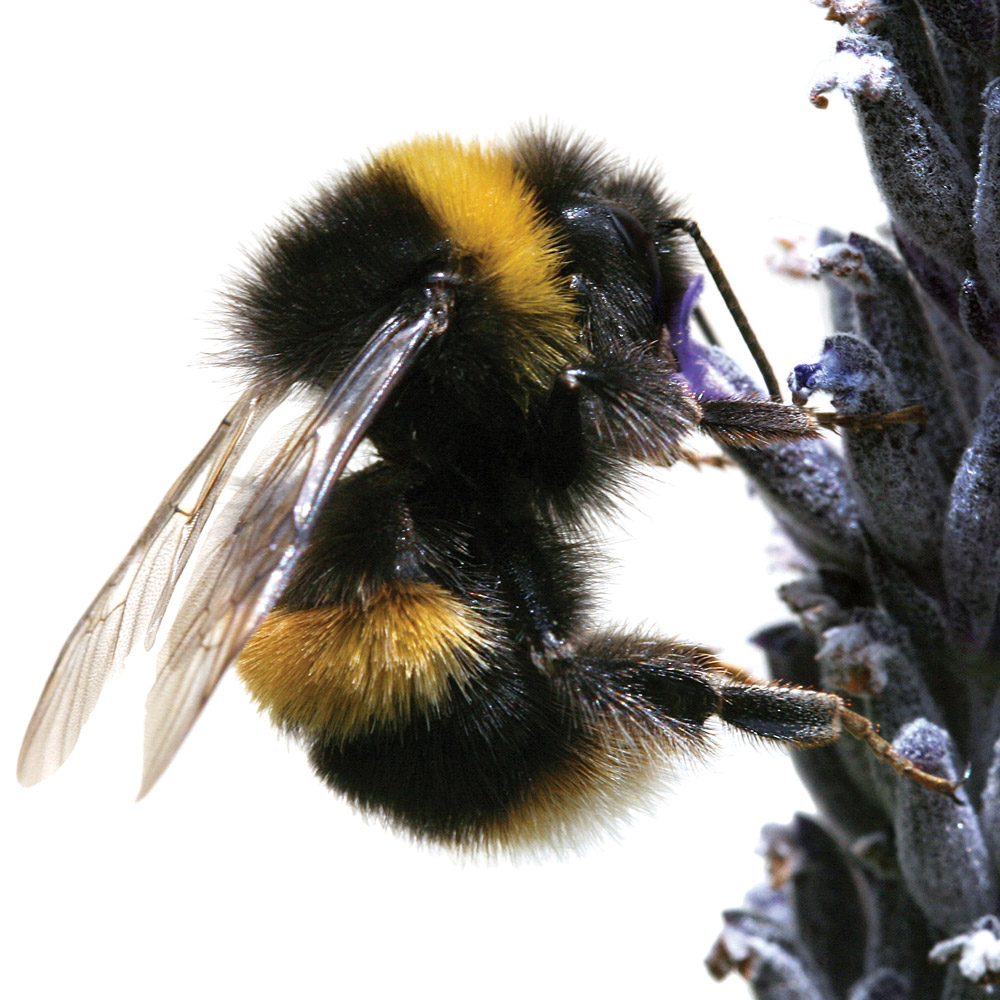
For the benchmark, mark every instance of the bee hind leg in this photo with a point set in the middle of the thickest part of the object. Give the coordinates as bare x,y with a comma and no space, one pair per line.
807,718
665,693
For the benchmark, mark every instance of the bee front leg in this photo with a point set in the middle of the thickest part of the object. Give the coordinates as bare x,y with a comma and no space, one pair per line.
630,404
634,406
745,422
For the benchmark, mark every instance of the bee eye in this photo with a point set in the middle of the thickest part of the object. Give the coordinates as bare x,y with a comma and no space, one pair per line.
634,235
610,224
610,229
641,247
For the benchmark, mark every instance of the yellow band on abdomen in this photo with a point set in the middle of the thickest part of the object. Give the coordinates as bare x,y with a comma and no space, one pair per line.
342,670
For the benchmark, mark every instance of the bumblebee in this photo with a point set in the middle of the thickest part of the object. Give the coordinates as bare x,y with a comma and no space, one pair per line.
497,321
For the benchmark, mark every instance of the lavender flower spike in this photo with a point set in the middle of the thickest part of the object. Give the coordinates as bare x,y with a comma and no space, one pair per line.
910,631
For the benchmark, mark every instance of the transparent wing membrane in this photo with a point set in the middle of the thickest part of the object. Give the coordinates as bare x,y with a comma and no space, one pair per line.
132,602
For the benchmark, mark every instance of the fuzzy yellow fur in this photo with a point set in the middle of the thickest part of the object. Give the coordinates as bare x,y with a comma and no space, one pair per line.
341,670
490,215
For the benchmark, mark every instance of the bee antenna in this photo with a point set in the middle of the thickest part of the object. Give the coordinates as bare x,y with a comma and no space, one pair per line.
690,227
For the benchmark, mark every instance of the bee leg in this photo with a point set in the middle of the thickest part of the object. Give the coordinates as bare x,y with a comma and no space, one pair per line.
652,693
700,461
916,414
629,403
666,692
671,687
808,718
738,422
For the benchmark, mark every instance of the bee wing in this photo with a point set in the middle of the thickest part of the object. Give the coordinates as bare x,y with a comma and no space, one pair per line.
132,602
243,576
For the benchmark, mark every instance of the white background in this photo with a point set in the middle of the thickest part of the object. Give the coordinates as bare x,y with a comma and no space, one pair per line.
144,145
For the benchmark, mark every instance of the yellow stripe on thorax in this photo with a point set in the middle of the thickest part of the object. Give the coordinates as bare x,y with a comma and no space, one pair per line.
342,670
490,214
